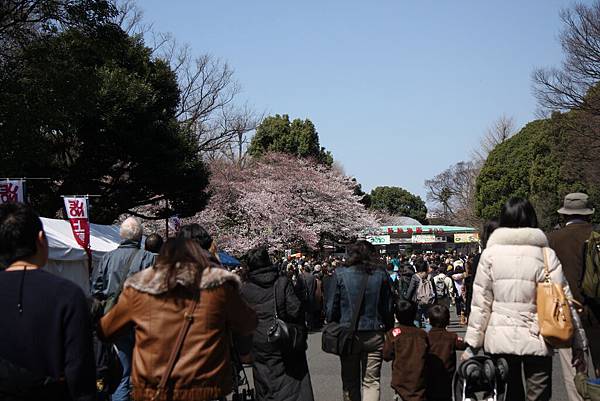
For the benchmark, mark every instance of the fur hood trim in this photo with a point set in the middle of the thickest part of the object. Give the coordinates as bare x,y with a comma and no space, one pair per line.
518,236
154,281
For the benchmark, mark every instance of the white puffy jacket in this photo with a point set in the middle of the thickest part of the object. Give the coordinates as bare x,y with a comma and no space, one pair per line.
503,314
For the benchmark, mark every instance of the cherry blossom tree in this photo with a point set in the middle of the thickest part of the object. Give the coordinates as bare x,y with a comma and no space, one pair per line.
283,202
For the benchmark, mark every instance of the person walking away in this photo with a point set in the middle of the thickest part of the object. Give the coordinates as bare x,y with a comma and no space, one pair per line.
374,319
310,306
441,361
421,291
184,313
45,326
279,374
197,233
153,244
107,281
488,229
459,279
569,243
318,306
407,347
405,276
443,288
504,311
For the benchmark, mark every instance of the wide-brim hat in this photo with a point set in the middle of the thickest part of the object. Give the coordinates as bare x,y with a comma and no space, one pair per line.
577,204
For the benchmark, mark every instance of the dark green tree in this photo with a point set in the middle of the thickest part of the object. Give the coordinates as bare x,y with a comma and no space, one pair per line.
279,134
23,21
533,164
92,110
399,202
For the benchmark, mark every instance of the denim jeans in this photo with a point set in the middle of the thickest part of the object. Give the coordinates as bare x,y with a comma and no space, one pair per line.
124,346
364,370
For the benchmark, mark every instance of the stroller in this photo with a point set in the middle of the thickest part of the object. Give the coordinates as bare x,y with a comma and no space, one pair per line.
480,375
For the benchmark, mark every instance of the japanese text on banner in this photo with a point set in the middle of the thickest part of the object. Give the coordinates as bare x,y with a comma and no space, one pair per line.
77,212
11,191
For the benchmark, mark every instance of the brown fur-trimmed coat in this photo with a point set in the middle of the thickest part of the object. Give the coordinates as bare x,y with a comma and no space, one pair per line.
203,370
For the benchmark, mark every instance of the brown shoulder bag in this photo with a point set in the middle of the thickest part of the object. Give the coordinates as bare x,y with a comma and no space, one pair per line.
554,311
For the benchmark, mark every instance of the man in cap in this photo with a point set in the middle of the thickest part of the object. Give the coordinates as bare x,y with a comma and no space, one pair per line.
569,245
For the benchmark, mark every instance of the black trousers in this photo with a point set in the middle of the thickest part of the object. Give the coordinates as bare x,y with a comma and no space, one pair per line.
529,377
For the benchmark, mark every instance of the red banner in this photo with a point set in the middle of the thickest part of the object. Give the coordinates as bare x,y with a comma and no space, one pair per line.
11,191
77,212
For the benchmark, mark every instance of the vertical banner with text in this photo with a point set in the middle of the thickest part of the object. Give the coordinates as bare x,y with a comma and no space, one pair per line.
11,191
77,212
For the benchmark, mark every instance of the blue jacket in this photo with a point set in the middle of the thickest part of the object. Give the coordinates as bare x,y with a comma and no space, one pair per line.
376,313
115,266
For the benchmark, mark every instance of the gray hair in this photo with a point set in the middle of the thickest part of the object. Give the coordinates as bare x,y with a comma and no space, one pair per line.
131,229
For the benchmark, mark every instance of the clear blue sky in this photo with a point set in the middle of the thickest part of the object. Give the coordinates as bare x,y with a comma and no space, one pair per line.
398,90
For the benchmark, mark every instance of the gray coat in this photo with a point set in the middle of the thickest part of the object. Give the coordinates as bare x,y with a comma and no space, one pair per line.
116,266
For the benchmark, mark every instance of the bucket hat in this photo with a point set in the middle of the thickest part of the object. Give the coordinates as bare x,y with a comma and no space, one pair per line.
576,204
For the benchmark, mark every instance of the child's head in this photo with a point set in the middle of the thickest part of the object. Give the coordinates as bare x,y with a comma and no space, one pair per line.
406,312
439,316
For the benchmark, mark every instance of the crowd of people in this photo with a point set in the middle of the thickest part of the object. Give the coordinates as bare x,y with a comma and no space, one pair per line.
167,321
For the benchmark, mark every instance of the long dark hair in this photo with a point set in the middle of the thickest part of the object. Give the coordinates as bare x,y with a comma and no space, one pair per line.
180,253
488,228
518,213
363,255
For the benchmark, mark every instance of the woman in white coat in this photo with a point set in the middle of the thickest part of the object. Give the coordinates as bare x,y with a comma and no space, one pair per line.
503,314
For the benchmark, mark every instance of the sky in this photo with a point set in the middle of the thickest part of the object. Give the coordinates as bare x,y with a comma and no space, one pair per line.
398,90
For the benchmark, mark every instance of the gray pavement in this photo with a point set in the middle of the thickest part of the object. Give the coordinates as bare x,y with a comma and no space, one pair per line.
327,382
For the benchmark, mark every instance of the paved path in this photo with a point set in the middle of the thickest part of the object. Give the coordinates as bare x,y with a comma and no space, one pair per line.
327,383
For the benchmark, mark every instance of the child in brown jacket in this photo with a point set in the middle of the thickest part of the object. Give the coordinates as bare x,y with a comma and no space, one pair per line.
441,363
407,347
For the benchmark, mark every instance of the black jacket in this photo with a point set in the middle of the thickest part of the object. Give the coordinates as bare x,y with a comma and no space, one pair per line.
51,334
278,375
259,292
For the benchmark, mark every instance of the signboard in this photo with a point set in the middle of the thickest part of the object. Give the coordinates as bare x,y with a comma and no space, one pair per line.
11,191
466,238
379,239
77,212
401,241
427,239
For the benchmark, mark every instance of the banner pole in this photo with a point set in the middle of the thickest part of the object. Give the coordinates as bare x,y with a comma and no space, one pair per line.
89,246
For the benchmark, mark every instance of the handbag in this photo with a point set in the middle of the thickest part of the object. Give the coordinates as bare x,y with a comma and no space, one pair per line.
340,340
285,335
188,317
554,311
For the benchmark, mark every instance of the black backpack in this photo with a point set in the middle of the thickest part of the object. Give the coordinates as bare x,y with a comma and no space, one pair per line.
108,367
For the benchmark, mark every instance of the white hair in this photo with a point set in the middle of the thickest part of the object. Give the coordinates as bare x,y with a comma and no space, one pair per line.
131,229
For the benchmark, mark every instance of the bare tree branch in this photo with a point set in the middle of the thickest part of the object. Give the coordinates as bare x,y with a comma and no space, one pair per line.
568,87
209,93
500,130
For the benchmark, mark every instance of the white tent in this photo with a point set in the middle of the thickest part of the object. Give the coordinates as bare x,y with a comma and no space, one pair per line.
67,259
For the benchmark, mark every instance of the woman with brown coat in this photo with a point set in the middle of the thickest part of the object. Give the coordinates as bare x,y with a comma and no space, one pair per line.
157,301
